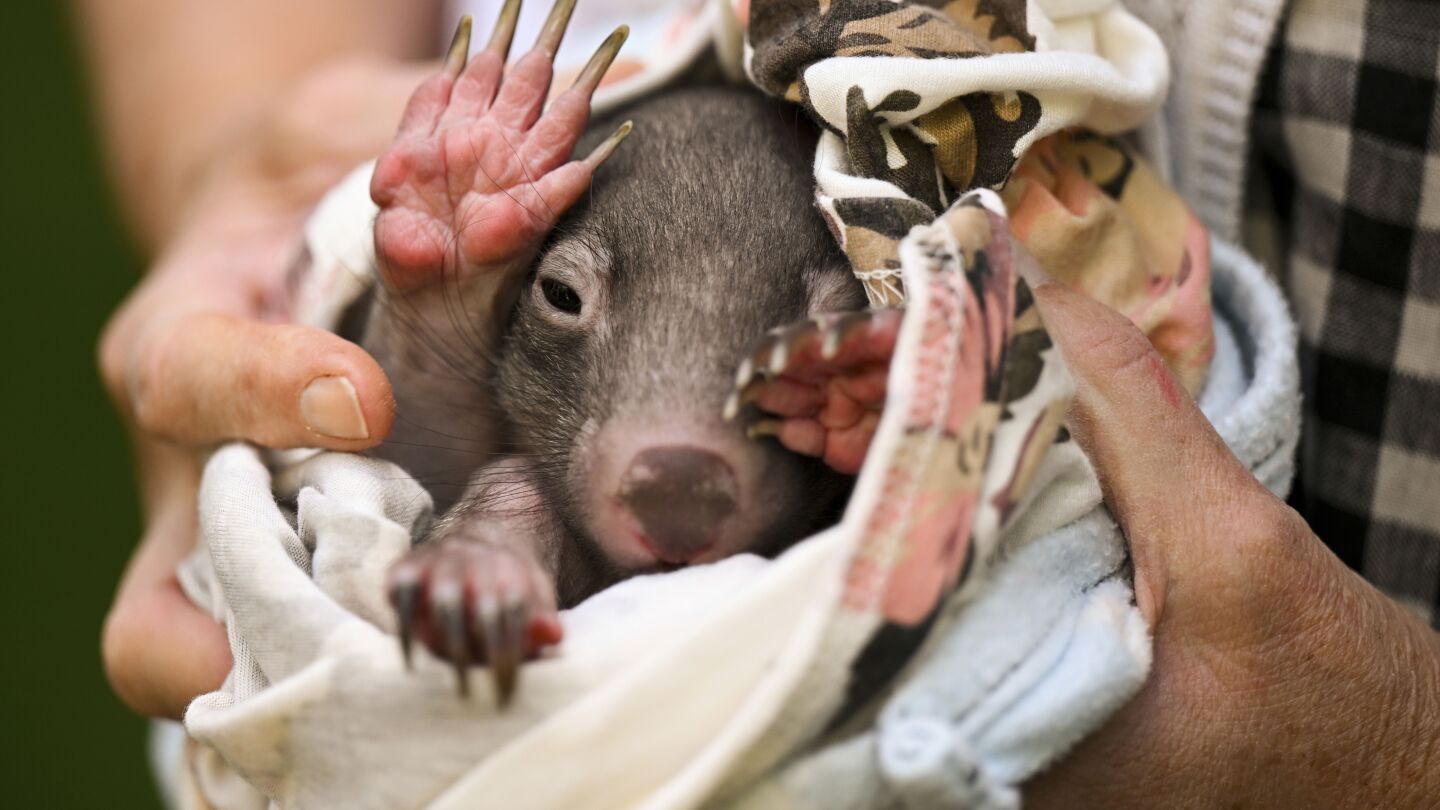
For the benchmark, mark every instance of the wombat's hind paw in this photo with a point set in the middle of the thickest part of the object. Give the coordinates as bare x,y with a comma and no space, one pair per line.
818,385
473,602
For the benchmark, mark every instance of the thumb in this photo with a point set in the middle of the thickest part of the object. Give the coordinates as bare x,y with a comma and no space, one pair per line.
1167,476
207,378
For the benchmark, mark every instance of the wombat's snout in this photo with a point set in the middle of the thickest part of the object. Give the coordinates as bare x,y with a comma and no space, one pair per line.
680,496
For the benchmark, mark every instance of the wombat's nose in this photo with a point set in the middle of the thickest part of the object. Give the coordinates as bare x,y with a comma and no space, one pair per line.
679,495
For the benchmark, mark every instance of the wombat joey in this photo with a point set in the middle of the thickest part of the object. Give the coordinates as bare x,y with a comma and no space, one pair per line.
565,364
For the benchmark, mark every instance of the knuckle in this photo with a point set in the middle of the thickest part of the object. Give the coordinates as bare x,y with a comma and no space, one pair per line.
1258,563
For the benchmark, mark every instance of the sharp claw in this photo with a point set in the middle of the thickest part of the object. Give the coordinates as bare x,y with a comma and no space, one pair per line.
607,147
841,330
594,71
504,32
504,639
459,51
404,597
451,613
732,407
744,373
779,356
765,427
554,30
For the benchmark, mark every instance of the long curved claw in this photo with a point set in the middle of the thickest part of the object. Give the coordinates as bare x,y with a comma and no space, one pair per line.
449,610
504,32
594,71
459,51
405,597
555,25
818,385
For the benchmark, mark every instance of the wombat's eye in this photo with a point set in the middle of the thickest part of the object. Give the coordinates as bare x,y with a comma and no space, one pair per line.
560,296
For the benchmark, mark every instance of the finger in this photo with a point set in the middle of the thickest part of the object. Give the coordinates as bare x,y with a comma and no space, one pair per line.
209,378
1161,465
475,88
528,83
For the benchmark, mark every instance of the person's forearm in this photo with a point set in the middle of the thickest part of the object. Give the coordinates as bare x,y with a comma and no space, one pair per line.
178,82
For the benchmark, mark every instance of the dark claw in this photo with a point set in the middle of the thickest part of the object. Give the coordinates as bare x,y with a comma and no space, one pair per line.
770,358
404,597
451,614
471,604
594,71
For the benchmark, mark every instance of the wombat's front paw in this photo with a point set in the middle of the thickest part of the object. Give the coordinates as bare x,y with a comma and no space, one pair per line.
819,384
477,176
474,602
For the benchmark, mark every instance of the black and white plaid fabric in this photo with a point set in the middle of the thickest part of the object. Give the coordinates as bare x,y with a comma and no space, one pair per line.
1347,130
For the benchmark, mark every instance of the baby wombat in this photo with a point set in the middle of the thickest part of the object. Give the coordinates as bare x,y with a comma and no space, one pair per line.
574,370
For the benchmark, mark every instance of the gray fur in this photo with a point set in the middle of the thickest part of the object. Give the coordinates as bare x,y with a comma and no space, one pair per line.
698,235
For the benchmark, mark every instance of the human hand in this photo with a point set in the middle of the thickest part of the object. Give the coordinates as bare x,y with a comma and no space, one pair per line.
199,355
1281,678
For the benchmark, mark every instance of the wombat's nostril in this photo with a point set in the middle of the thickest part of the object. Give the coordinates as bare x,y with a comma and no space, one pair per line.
680,496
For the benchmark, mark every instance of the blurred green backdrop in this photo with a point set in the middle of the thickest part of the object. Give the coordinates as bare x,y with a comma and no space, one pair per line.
70,510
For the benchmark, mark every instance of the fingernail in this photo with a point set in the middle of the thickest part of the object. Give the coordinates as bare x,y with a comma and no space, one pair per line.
459,51
599,63
607,147
330,407
555,24
504,28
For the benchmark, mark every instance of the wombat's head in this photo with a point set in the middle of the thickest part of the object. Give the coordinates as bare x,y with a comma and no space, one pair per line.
700,234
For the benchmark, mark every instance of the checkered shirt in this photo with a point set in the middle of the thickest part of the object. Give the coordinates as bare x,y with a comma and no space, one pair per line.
1347,134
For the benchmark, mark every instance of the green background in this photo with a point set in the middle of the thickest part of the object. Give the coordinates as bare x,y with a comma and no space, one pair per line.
70,507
